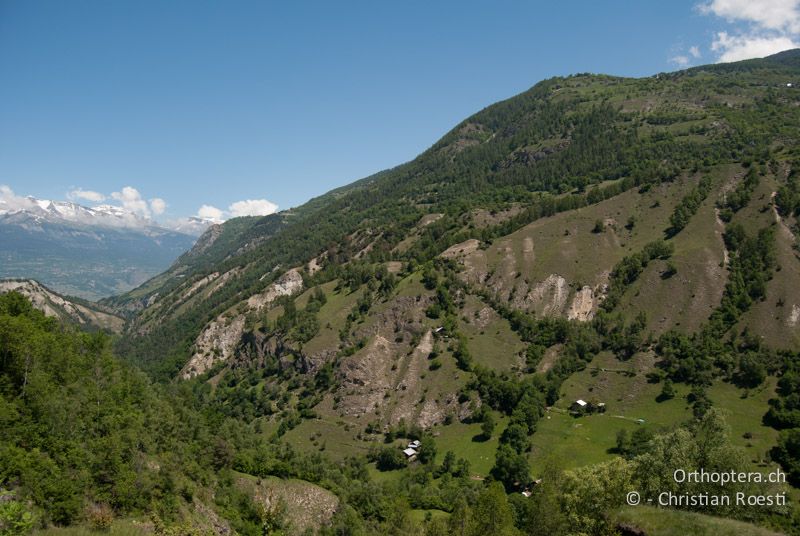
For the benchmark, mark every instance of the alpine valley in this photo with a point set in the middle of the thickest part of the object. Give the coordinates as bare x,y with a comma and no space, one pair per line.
87,252
573,294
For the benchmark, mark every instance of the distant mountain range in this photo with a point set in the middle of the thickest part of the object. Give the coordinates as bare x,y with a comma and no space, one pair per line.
87,252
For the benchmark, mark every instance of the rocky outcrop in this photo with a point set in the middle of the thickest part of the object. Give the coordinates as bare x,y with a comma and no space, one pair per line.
205,241
529,156
794,316
56,306
308,507
367,377
216,343
582,307
220,338
198,285
288,284
548,297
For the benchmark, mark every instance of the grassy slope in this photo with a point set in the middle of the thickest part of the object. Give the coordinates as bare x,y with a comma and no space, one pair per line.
663,522
685,300
556,245
490,339
588,440
772,318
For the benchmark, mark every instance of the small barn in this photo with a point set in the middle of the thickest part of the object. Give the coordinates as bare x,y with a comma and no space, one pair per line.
579,406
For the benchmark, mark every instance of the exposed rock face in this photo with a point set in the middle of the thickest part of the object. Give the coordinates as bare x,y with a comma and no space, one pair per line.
384,380
216,343
56,306
408,386
367,377
221,336
210,520
794,316
205,241
308,506
315,264
582,308
197,291
548,296
287,284
527,249
428,219
198,285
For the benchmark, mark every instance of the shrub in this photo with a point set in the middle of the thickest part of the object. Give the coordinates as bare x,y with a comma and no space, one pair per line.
99,516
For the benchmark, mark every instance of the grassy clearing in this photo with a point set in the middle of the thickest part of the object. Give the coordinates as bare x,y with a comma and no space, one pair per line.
421,515
331,317
411,286
560,241
464,440
663,522
490,339
746,408
334,438
587,440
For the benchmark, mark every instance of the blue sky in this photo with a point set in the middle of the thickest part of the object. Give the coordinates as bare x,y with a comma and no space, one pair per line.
214,103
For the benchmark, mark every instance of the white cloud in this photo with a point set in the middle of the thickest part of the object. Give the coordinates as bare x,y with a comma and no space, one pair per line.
763,27
694,51
158,205
10,201
780,15
132,201
680,60
209,212
252,207
87,195
742,47
247,207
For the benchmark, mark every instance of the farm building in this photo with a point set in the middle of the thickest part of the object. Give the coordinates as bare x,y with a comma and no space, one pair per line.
578,405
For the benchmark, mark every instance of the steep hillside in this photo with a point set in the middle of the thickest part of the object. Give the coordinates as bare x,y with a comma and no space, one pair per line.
628,242
565,143
71,310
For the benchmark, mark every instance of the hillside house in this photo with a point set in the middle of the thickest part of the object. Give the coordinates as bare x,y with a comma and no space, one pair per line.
582,407
579,406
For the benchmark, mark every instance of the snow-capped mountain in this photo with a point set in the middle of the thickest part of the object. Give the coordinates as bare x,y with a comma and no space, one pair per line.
39,210
89,252
193,225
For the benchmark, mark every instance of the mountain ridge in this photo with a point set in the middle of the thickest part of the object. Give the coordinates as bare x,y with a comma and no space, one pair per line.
65,308
521,159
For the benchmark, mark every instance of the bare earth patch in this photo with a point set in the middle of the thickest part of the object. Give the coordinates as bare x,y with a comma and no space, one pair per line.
459,250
